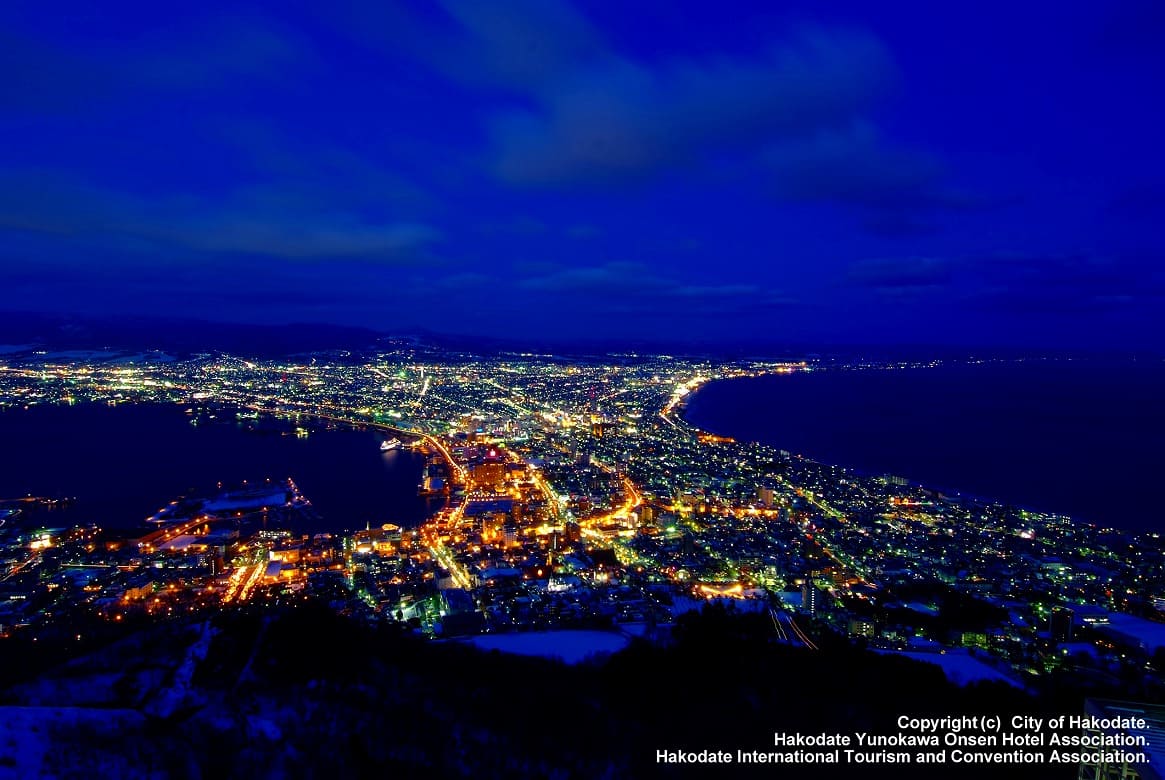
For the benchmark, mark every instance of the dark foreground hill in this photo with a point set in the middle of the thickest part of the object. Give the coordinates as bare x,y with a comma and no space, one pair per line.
303,692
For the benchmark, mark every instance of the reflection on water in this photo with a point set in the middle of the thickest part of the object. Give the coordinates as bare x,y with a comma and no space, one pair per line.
122,464
1081,438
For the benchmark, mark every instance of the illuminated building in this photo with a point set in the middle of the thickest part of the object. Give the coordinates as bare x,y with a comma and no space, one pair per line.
811,597
1060,625
489,476
861,627
492,527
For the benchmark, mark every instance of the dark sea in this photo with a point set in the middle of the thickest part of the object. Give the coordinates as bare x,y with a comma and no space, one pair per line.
1085,439
123,463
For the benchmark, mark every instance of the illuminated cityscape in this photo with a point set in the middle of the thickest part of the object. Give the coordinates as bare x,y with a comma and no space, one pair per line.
574,496
571,389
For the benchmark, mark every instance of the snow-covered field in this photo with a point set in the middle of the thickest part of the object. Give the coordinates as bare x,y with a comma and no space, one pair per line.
959,666
569,646
1147,633
28,740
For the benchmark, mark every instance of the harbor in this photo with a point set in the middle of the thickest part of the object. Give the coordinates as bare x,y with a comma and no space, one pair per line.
128,466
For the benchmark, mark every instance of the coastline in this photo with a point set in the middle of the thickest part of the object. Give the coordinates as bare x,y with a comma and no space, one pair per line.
744,402
110,499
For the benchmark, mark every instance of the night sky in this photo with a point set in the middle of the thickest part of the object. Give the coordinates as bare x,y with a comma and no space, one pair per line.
976,173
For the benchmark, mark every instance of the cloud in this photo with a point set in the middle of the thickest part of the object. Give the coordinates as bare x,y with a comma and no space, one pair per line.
41,76
247,222
316,172
222,52
613,117
570,109
584,231
1066,283
896,188
617,277
468,280
901,275
518,46
1144,201
580,112
1130,28
516,225
620,285
853,165
241,288
897,223
326,237
1018,282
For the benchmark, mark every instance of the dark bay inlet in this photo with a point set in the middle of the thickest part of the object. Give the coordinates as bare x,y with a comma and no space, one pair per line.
121,464
1077,437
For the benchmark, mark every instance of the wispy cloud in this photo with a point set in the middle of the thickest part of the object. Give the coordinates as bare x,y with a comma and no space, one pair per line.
613,285
1019,282
900,276
247,222
614,117
43,76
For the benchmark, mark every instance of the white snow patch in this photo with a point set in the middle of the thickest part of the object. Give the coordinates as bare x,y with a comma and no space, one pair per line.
28,735
959,666
568,646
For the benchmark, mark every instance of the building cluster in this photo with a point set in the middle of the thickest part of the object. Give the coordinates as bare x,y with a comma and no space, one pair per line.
577,495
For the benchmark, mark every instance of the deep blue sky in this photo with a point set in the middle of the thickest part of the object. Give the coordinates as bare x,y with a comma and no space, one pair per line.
986,173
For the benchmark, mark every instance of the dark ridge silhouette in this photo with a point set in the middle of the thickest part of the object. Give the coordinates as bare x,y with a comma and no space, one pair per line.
302,690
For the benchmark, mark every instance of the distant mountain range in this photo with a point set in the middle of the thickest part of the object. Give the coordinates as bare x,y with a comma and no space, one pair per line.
176,336
184,336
